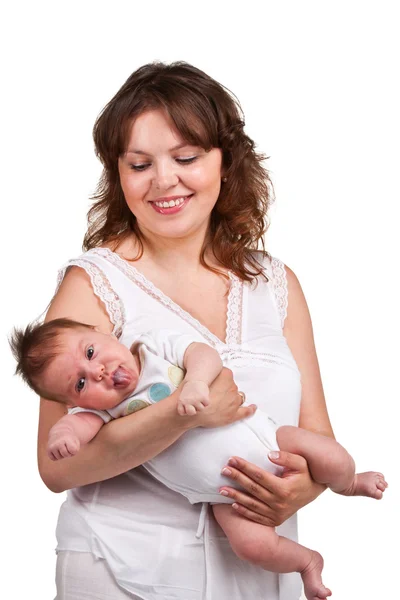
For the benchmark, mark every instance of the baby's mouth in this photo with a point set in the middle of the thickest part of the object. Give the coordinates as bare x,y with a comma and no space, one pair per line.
121,377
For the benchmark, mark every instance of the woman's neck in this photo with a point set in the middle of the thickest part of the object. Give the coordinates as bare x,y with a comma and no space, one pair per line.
172,254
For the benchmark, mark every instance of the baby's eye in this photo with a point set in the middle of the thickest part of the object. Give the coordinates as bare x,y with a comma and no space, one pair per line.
90,352
81,384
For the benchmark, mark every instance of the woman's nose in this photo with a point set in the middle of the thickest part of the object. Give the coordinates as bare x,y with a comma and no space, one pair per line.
165,177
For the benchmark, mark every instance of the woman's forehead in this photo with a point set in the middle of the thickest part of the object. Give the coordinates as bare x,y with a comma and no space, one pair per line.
187,130
150,124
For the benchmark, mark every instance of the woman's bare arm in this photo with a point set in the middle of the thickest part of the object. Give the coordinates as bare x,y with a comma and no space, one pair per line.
299,335
127,442
274,499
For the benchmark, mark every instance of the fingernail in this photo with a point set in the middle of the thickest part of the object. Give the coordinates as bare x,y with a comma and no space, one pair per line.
232,462
273,454
226,471
224,493
235,506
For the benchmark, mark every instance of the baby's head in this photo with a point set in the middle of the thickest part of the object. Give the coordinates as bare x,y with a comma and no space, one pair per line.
75,364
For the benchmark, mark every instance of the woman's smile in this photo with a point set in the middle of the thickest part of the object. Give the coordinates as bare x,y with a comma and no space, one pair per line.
170,205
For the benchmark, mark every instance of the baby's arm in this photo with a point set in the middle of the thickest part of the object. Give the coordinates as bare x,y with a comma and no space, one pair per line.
70,432
202,364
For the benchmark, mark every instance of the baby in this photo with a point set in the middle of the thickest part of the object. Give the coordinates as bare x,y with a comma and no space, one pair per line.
100,379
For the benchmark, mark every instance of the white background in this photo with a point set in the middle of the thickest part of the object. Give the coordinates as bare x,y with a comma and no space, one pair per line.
318,82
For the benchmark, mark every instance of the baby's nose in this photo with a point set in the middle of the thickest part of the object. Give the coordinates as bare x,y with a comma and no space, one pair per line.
98,371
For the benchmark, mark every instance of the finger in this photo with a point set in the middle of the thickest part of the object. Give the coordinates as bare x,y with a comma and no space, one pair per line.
51,455
190,410
244,412
181,409
55,454
63,450
247,474
261,491
292,462
253,516
73,448
247,502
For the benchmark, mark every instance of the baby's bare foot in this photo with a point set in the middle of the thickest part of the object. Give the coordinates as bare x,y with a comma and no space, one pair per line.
314,589
369,484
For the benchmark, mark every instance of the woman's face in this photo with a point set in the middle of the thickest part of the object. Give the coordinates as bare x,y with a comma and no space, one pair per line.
170,186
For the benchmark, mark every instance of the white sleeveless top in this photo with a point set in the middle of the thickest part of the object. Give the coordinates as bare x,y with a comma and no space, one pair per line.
145,531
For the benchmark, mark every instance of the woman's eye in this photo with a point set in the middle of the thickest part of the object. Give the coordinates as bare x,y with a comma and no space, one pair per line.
186,161
141,167
90,352
81,384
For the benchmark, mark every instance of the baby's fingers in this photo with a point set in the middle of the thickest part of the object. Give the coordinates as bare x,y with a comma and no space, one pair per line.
181,409
56,453
53,454
72,446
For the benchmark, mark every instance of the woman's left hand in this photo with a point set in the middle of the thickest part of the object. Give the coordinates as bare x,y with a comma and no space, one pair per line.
270,499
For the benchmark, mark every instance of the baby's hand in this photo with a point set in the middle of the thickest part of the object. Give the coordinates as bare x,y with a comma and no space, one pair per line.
63,442
193,397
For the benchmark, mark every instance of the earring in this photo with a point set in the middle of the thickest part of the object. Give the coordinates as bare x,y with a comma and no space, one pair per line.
224,179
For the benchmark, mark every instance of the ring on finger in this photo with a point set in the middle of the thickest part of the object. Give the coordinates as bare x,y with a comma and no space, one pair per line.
243,396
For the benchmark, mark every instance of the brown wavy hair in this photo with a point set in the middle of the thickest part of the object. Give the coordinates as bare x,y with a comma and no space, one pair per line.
207,115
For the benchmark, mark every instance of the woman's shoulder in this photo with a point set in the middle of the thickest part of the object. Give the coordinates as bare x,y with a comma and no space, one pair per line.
84,291
278,281
75,299
272,267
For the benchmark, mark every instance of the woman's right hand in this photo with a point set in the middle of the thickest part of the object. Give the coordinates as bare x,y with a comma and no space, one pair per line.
266,498
225,404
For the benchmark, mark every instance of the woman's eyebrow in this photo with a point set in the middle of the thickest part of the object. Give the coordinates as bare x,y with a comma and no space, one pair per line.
177,147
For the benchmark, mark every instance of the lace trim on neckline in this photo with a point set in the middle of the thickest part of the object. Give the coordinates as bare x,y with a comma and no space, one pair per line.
279,281
234,311
234,307
103,290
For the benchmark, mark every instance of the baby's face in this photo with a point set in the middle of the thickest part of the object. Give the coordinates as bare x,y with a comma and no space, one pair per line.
92,370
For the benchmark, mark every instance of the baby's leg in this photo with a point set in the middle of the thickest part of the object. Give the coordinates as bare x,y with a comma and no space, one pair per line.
261,546
330,463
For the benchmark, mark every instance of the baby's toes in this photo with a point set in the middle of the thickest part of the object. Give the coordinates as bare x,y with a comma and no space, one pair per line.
323,593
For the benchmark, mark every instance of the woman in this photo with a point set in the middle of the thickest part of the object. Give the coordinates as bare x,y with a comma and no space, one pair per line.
172,243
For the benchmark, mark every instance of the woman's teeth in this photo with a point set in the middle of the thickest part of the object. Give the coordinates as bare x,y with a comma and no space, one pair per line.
171,203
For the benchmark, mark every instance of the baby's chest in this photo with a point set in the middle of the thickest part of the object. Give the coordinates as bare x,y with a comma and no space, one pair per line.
158,380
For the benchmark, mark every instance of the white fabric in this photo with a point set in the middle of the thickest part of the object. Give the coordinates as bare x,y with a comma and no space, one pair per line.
161,356
81,576
145,531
